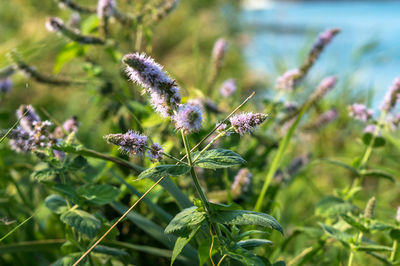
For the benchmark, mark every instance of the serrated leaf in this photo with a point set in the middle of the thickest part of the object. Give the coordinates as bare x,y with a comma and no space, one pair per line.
378,173
189,217
56,203
253,243
333,206
218,158
182,241
165,170
242,217
379,140
44,174
67,190
98,194
82,221
351,221
337,234
369,248
110,251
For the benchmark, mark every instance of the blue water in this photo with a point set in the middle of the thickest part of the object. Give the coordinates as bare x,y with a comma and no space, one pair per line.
287,29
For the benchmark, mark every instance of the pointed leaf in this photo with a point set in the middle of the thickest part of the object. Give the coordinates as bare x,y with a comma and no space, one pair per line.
165,170
98,194
56,204
335,233
186,218
378,173
82,221
341,164
182,241
351,221
110,251
242,217
242,255
333,206
218,158
253,243
369,248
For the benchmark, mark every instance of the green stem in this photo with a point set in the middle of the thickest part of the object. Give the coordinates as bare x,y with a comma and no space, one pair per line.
18,226
394,251
352,253
197,185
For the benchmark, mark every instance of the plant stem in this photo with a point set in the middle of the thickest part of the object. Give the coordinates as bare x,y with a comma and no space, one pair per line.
197,185
352,253
394,251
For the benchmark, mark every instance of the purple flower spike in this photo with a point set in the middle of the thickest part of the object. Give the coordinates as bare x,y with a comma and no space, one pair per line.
28,121
392,96
163,91
188,118
155,153
130,143
228,88
241,182
105,8
219,51
247,122
370,129
286,81
360,112
5,85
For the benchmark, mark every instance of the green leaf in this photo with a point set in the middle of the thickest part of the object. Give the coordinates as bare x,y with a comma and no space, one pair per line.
351,221
165,170
218,158
240,254
335,233
56,204
44,174
395,234
379,226
82,221
242,217
341,164
253,243
379,140
67,190
182,241
110,251
189,217
98,194
77,163
378,173
369,248
70,259
69,52
224,207
333,206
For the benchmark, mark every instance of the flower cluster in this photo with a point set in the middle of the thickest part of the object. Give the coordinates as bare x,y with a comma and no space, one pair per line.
246,122
218,53
392,96
54,25
228,88
323,88
163,91
134,143
241,182
5,85
286,82
69,126
370,129
188,118
325,118
105,8
360,112
32,133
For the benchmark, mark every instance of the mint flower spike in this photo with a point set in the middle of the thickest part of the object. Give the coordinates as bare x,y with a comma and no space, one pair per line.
57,25
5,85
247,122
27,121
286,81
218,53
163,91
188,118
392,96
164,10
360,112
130,143
155,152
228,88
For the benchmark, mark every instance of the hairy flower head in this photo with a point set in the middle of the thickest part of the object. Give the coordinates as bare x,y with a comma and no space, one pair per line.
228,88
392,96
286,81
155,153
188,118
219,50
163,91
247,122
28,117
130,143
360,112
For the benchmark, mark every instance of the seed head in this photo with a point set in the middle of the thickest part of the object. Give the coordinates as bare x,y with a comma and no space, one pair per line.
189,118
228,88
247,122
131,143
155,153
164,92
369,209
